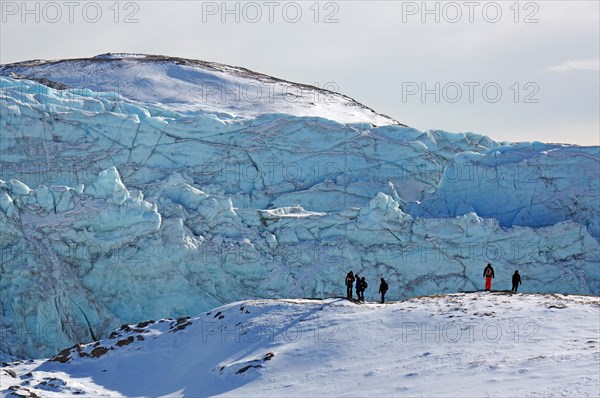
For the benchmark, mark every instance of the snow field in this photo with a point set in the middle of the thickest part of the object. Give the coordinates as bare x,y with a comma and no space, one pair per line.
475,344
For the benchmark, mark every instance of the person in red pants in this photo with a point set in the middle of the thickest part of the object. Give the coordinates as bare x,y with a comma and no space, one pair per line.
488,273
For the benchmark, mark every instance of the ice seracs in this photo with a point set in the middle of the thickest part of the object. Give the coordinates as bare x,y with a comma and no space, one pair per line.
137,259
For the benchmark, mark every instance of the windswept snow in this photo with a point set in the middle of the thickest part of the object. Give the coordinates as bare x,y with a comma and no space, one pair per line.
468,345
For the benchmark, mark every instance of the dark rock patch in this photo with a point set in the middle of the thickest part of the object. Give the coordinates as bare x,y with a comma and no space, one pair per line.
268,356
245,368
146,323
98,352
125,342
10,373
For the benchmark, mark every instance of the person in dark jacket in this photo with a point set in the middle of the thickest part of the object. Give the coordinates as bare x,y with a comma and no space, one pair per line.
363,286
383,287
488,273
358,287
516,280
349,284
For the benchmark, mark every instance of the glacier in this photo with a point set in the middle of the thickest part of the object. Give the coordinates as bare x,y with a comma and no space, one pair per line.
121,207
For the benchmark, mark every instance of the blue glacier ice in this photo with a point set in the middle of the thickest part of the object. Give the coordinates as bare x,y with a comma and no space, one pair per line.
121,207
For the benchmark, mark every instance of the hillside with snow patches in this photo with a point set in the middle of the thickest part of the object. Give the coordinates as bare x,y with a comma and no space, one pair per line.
146,187
467,345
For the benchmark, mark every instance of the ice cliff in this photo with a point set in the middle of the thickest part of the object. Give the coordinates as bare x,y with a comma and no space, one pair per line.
122,207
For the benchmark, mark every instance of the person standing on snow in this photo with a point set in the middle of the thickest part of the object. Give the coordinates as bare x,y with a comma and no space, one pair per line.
349,283
516,280
488,273
358,286
363,286
383,287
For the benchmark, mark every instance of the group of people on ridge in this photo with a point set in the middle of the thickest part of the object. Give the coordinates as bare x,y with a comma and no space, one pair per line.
361,285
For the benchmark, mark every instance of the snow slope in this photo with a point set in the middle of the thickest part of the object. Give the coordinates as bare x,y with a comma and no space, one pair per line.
116,208
468,345
191,86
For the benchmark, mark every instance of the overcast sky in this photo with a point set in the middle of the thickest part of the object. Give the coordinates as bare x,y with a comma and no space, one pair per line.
521,71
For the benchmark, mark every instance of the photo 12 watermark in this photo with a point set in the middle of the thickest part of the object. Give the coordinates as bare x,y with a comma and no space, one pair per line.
252,12
453,92
470,332
452,12
516,252
216,332
268,173
257,92
470,172
52,12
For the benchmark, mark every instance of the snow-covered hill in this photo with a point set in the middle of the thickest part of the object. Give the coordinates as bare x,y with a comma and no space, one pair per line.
467,345
190,86
118,208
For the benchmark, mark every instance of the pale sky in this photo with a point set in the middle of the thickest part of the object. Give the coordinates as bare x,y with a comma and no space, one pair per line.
521,71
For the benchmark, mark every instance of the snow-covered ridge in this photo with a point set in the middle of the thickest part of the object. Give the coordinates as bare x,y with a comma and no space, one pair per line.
192,86
475,344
